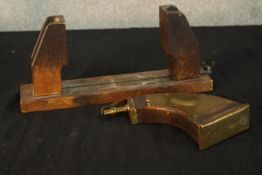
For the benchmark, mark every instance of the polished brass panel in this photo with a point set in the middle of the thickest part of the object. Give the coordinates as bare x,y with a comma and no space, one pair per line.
207,119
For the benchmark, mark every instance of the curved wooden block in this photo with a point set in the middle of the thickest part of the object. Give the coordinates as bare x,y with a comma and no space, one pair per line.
49,56
179,43
206,119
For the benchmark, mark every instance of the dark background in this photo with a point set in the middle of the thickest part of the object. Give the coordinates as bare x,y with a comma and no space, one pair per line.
80,141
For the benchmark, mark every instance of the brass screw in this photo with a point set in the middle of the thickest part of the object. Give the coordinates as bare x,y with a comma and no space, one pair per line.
112,110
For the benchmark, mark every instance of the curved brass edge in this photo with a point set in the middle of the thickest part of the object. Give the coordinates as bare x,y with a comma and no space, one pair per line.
169,116
157,115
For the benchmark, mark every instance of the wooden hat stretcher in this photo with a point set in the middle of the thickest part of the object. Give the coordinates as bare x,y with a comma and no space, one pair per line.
207,119
49,92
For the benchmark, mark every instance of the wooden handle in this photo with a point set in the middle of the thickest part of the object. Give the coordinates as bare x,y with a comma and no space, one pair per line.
179,43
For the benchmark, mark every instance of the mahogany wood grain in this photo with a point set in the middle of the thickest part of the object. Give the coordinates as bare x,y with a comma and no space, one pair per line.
179,43
49,56
49,92
106,89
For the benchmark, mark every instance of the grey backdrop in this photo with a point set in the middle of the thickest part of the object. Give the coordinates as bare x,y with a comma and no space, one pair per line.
16,15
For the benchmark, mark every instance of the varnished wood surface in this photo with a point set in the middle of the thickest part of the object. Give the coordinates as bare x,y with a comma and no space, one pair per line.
49,56
106,89
48,92
179,43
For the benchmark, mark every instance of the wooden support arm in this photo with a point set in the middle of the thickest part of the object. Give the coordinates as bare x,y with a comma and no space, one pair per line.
179,44
48,57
